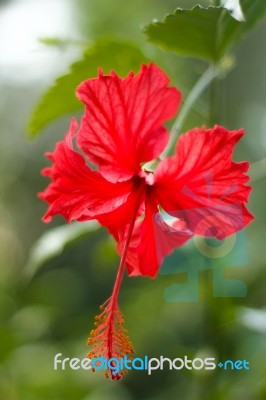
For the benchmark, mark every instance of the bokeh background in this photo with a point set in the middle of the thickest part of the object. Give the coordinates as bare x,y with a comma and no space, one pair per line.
50,288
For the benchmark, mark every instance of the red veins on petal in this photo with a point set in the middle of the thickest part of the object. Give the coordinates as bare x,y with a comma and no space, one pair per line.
122,126
77,191
202,185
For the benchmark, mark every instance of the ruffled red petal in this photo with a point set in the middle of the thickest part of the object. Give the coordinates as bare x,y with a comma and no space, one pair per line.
152,240
77,192
118,220
202,185
123,123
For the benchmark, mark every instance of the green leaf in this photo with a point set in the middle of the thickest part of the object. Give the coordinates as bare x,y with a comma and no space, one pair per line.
62,43
53,242
205,33
54,41
60,99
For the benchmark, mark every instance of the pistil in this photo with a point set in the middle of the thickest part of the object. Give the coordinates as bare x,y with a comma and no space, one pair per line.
110,339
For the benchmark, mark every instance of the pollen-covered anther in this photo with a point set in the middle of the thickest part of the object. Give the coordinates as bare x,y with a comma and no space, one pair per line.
110,339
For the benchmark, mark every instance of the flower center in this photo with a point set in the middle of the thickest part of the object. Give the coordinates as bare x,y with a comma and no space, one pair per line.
148,176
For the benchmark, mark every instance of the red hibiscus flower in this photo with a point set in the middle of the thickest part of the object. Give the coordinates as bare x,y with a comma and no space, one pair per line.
199,186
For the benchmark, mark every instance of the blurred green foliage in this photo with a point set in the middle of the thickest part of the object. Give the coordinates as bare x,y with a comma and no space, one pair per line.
206,32
53,311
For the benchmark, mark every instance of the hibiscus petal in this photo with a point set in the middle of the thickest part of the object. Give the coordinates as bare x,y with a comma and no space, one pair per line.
202,185
123,123
152,240
77,192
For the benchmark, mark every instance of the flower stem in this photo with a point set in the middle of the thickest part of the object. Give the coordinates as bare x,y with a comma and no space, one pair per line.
209,75
121,268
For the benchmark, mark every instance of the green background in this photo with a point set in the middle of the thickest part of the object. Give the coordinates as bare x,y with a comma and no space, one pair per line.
51,310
